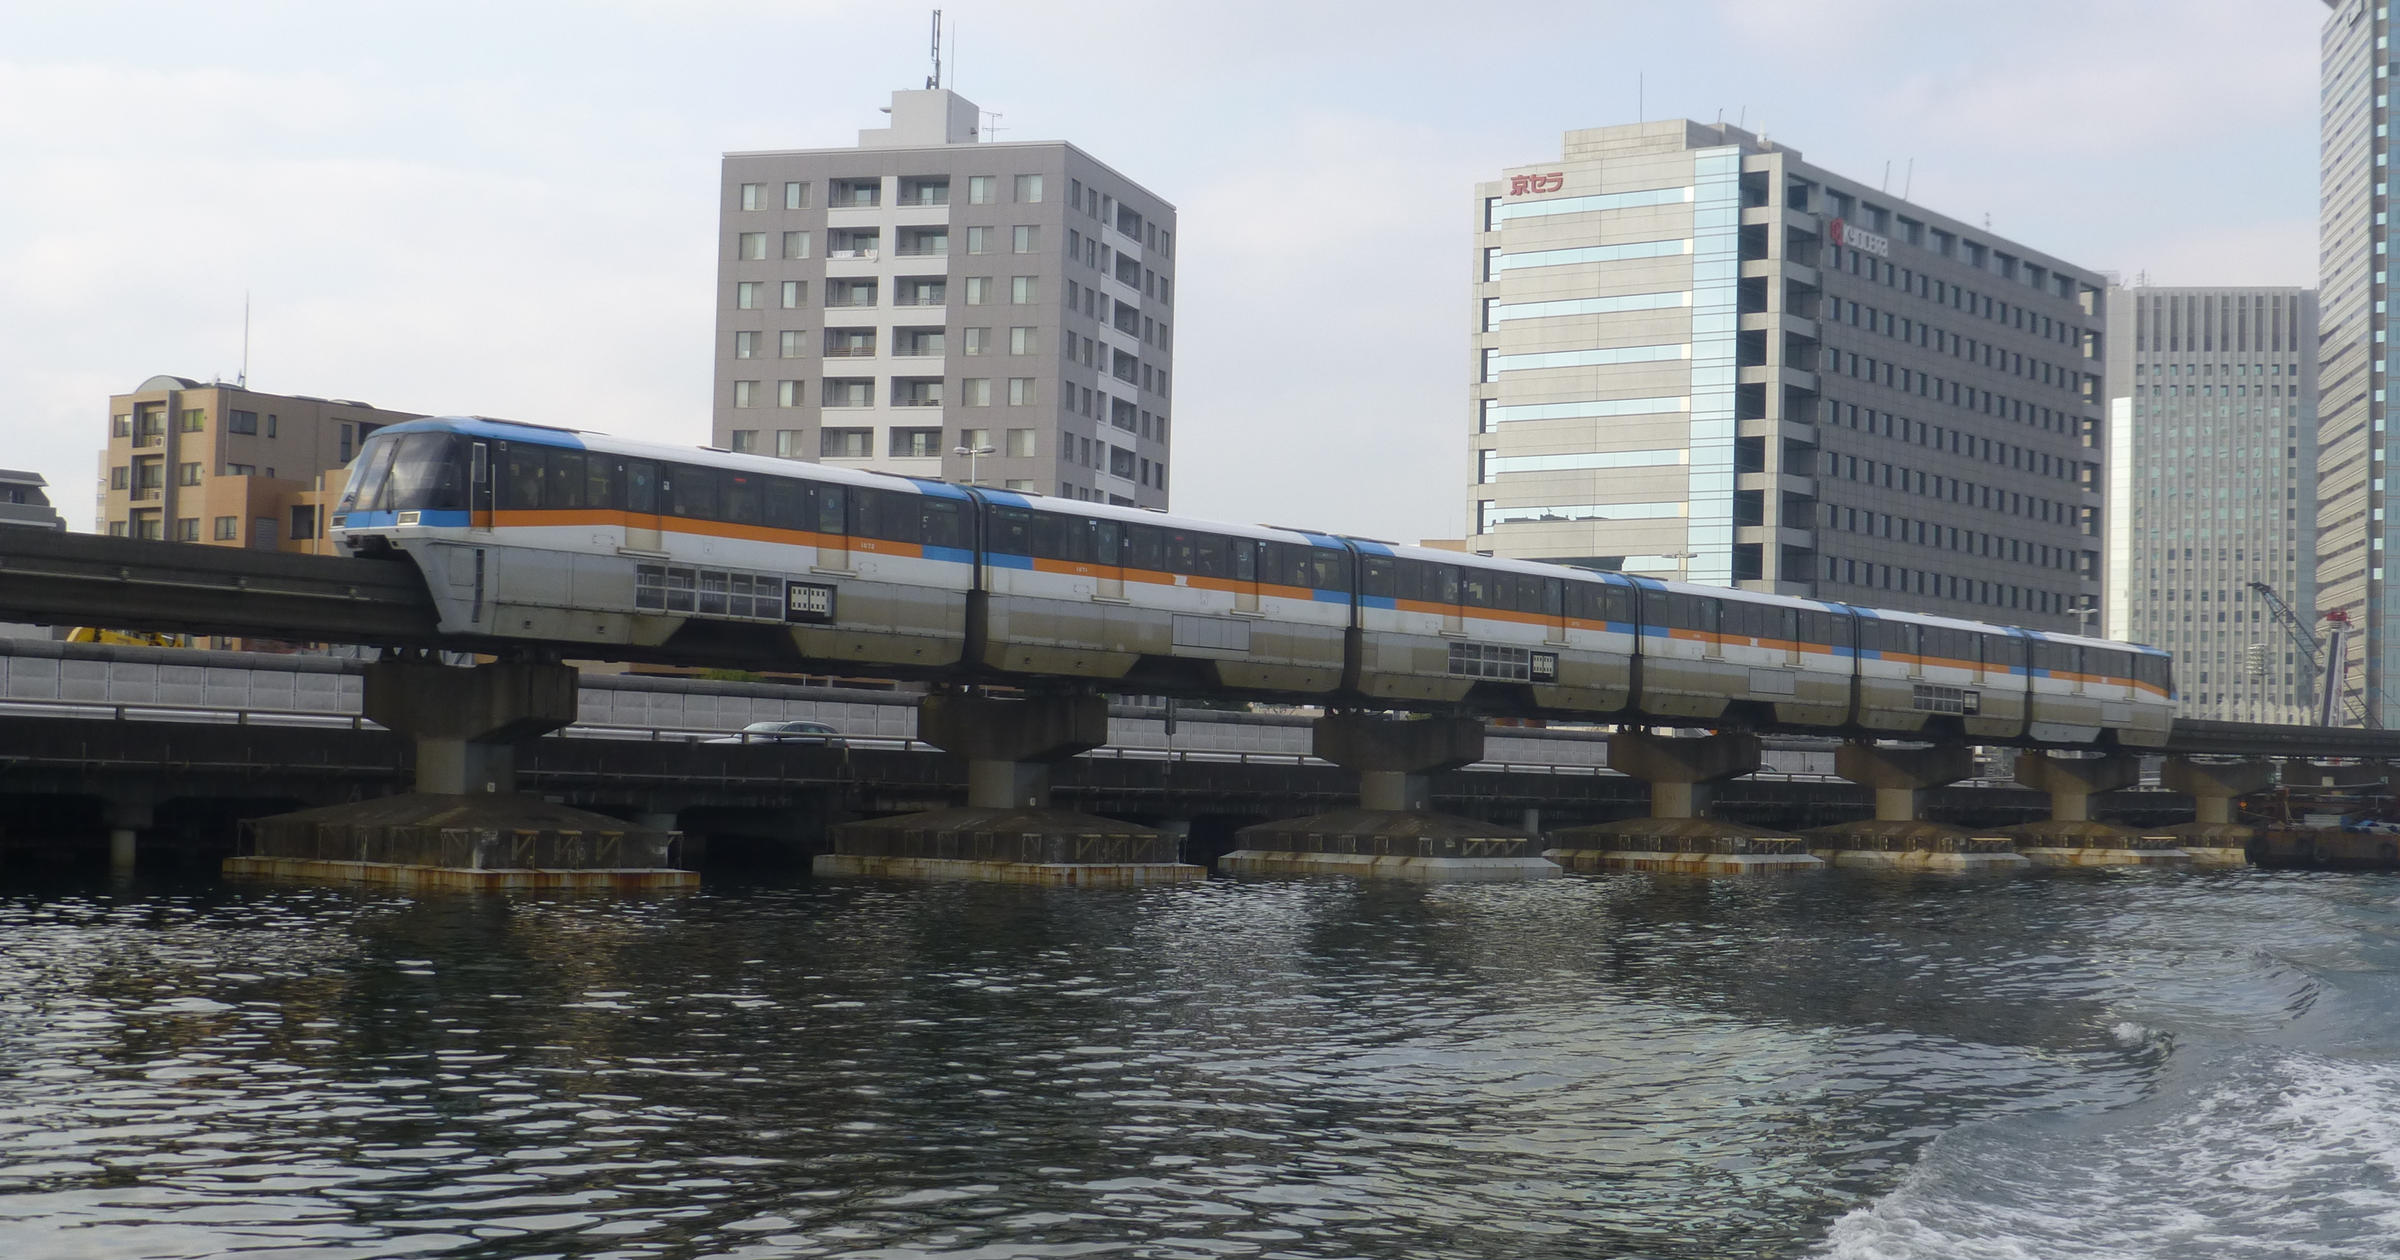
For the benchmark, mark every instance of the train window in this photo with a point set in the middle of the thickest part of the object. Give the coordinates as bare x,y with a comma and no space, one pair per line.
2108,663
1146,548
1107,543
1209,556
1476,589
2154,670
692,492
1379,576
372,466
1012,531
1599,601
2057,658
521,475
641,486
1245,559
1554,597
1892,638
2003,652
599,480
1694,612
945,523
833,510
787,506
1947,645
565,474
1047,532
1825,629
1329,569
741,505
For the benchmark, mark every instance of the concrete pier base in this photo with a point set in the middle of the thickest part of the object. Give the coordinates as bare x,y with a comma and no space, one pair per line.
1677,836
477,841
1007,832
1897,837
2070,837
2213,837
1394,831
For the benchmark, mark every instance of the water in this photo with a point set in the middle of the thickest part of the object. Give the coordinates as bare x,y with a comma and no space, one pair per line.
2043,1065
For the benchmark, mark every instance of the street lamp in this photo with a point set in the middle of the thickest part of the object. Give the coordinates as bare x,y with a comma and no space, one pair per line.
971,452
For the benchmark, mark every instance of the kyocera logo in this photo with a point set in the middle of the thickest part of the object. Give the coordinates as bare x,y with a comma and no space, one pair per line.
1841,232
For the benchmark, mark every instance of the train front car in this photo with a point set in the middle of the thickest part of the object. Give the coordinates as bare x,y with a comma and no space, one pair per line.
624,550
2099,692
1089,591
1441,629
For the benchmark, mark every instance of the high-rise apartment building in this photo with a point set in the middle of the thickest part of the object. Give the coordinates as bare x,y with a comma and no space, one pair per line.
2212,438
218,463
1699,357
2352,287
933,304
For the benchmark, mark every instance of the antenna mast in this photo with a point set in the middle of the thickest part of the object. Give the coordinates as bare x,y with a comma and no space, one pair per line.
242,379
934,80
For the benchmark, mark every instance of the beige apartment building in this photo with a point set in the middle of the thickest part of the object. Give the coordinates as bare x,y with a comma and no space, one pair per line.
218,463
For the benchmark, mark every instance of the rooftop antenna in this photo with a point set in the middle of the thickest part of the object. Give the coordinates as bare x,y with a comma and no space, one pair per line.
1909,180
1886,185
1641,97
934,80
992,129
242,379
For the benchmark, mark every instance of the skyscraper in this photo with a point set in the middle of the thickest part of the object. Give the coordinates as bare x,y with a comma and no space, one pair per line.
1699,357
934,304
2352,288
2212,439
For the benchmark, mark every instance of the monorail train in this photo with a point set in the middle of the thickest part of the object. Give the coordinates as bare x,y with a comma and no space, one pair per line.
597,547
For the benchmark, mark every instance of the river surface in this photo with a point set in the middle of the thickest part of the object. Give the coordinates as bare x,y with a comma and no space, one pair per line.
2043,1065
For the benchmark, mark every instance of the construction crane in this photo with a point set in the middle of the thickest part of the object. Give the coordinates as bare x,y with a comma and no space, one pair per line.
2324,671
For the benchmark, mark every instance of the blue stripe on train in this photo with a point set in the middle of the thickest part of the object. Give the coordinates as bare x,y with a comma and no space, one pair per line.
436,519
1003,560
952,555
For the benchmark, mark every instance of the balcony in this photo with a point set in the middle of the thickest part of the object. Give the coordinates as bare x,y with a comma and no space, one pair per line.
865,254
150,439
146,494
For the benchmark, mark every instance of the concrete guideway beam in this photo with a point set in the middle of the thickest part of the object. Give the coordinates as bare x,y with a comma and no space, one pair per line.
1009,745
1899,777
467,721
1680,770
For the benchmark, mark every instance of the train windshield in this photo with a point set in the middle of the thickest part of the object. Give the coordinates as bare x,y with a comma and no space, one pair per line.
414,472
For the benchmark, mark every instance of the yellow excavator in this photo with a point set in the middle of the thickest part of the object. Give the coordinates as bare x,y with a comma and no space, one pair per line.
128,638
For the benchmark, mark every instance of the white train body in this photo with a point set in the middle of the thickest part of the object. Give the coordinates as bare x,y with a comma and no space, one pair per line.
595,547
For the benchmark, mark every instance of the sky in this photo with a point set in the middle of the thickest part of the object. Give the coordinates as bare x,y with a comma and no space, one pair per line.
509,208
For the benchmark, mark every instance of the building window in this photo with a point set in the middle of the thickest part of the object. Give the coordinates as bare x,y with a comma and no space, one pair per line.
979,240
979,190
187,474
120,426
1025,239
1020,289
978,340
229,529
120,477
976,391
916,443
1029,188
979,290
787,393
745,295
745,441
243,422
743,392
1020,391
1023,341
1019,483
751,246
845,443
787,444
187,529
790,344
754,196
849,392
794,293
745,345
977,440
795,244
1020,443
795,195
116,529
190,421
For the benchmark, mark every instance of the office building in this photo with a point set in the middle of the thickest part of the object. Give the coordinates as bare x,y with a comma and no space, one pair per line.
2352,288
1698,357
218,463
2212,438
25,500
939,305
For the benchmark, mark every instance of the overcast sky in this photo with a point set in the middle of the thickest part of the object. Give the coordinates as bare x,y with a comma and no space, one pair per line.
510,208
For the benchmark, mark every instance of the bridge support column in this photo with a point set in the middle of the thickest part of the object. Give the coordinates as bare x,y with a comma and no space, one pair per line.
1394,831
1682,772
465,826
1008,832
128,817
2071,837
1898,835
467,721
2213,838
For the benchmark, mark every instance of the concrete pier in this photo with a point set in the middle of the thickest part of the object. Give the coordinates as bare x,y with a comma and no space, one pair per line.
1678,836
1008,832
2071,837
2213,837
1898,836
1393,831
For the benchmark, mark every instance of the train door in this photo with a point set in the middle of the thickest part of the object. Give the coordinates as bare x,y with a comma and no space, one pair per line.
832,526
1554,611
643,531
1245,575
1454,614
1787,628
479,489
1108,557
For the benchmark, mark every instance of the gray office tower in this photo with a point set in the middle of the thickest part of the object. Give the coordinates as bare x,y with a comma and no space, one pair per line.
933,304
2352,356
2212,438
1699,357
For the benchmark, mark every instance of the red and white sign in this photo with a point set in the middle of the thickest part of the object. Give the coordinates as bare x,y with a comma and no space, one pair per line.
1840,233
1521,185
